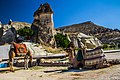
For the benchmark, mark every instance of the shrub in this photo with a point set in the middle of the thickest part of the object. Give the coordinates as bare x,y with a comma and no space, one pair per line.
62,40
105,46
112,46
26,31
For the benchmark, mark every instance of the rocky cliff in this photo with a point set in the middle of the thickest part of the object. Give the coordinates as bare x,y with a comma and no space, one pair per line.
43,25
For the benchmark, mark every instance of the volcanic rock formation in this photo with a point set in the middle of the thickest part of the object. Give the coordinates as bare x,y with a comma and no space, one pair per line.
43,25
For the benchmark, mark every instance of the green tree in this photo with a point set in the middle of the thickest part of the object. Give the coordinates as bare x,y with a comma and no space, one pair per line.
62,40
26,31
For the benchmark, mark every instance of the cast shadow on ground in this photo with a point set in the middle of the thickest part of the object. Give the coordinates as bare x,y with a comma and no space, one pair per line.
4,70
68,70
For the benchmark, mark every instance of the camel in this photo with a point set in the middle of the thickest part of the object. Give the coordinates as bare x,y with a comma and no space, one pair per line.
72,56
94,58
19,50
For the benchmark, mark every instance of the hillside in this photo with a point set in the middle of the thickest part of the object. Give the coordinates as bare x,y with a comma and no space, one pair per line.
106,35
17,25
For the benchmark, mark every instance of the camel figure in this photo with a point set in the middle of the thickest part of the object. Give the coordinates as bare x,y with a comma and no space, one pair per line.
94,58
19,50
75,63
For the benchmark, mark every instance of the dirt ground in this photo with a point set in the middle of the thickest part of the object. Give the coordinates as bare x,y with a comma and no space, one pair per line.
61,73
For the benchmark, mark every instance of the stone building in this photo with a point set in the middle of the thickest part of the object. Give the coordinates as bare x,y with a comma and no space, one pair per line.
43,25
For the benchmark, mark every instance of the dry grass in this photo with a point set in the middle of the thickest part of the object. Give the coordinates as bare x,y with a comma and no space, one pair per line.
53,50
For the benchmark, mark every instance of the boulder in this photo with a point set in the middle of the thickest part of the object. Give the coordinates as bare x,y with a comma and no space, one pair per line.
8,36
80,39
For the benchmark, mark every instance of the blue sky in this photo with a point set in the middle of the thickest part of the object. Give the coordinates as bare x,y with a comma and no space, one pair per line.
66,12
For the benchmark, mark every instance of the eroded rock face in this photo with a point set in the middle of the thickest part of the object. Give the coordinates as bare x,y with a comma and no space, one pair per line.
80,39
8,36
1,32
7,33
43,25
19,25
